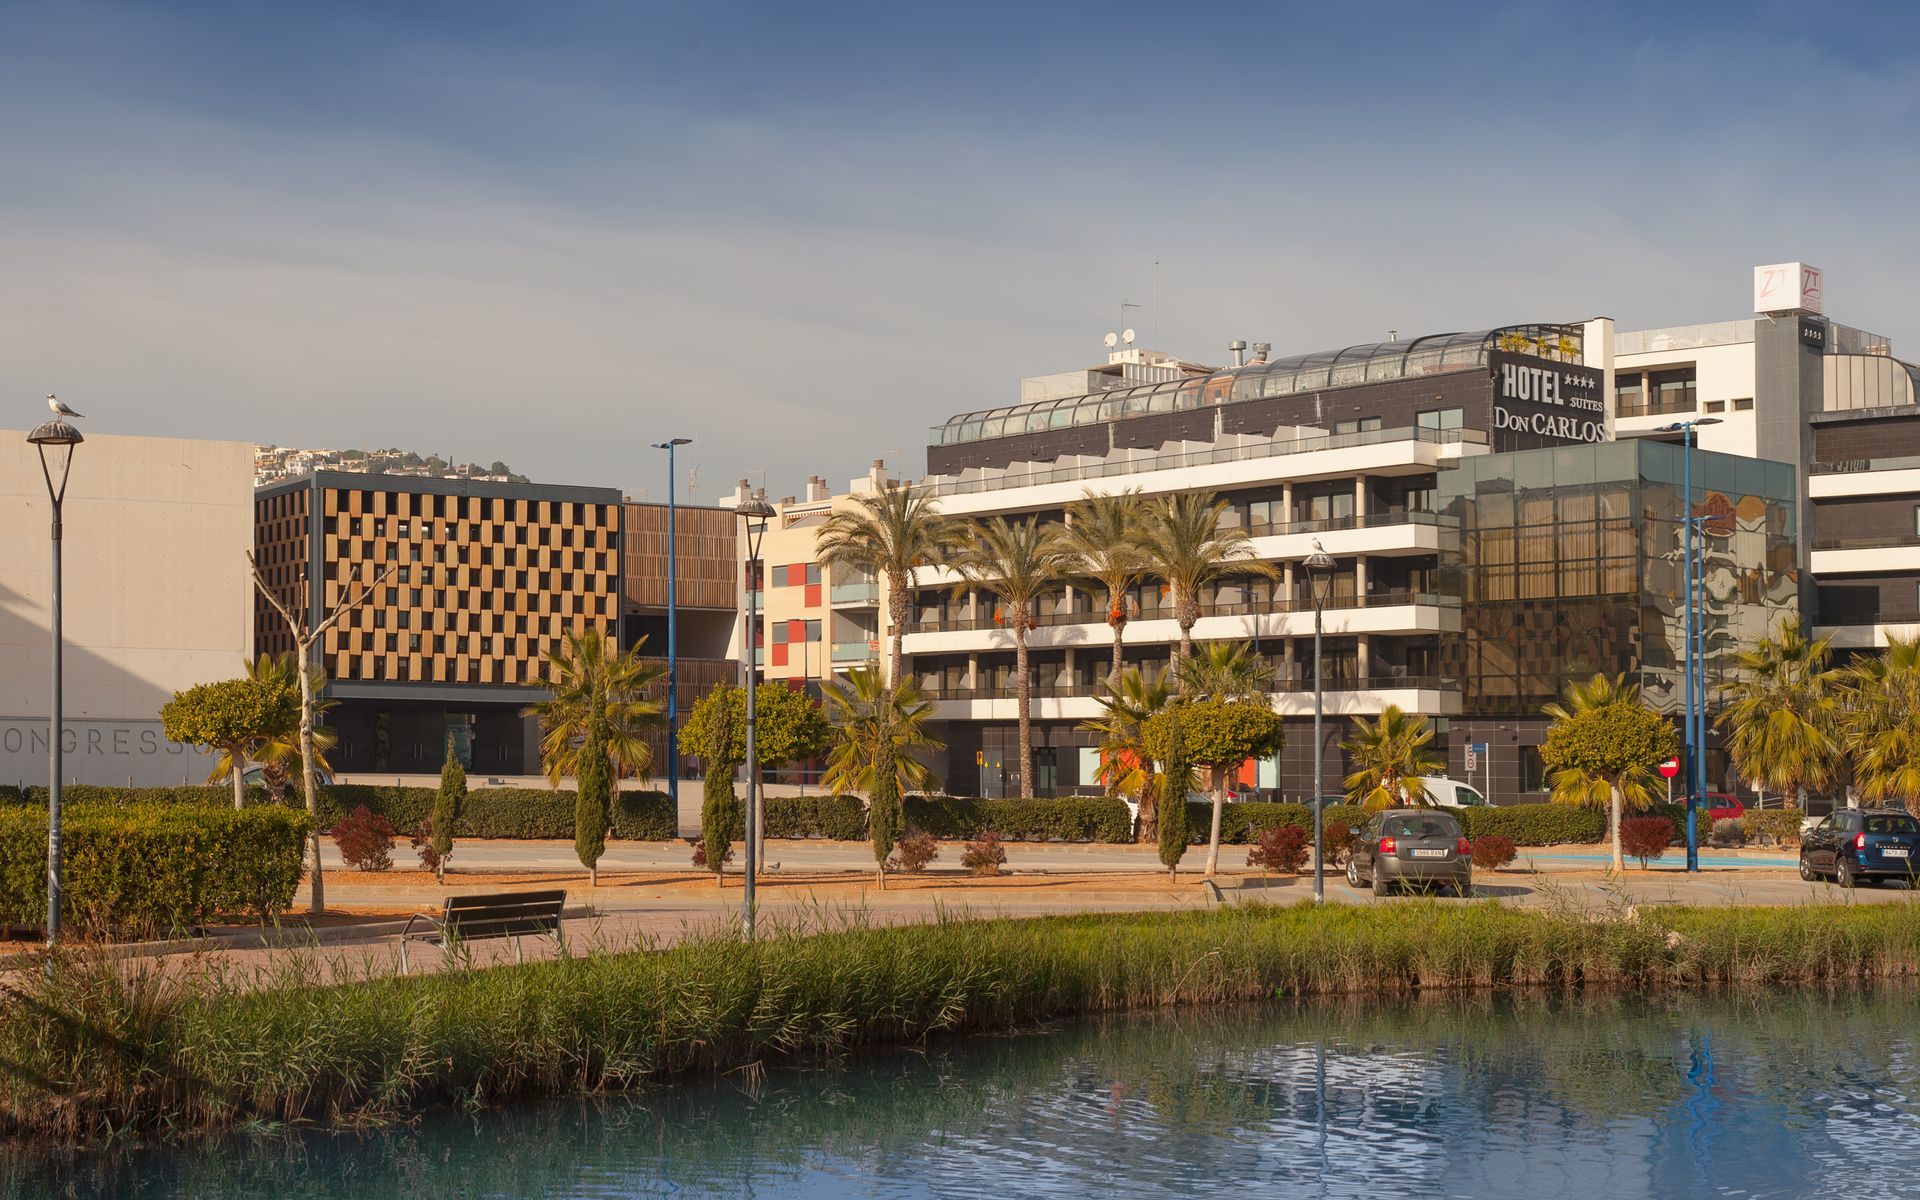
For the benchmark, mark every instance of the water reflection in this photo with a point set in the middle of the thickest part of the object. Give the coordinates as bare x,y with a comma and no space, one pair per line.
1756,1094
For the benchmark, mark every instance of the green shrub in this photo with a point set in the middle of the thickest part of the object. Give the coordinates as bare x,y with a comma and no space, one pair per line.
644,816
1243,821
153,868
1780,826
88,793
840,818
1534,824
1068,819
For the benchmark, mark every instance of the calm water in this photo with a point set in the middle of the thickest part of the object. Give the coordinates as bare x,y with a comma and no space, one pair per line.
1769,1094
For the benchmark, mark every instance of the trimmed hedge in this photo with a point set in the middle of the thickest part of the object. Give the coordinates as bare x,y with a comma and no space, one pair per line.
220,795
1069,819
153,868
841,818
1242,821
644,816
1534,824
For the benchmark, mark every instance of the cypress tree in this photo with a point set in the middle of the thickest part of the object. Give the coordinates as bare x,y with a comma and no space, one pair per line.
720,815
883,807
592,806
447,804
1176,779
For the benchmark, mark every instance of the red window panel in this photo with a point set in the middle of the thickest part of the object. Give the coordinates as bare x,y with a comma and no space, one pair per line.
796,631
813,595
797,575
779,656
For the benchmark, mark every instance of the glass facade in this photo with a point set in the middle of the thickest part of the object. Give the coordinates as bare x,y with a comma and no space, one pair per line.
1571,561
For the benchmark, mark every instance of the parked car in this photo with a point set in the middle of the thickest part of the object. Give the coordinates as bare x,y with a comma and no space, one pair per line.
1451,793
1402,847
1720,805
1856,845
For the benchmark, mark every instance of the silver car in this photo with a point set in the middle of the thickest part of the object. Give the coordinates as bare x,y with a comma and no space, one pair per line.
1403,847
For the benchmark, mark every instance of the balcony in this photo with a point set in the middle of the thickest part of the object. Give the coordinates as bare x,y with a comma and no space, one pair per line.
1374,520
1259,608
844,652
862,595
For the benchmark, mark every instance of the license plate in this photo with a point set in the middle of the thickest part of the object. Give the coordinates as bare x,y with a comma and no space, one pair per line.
1893,852
1440,853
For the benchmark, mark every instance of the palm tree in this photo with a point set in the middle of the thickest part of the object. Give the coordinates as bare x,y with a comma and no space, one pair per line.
1393,756
1126,769
877,732
586,673
1784,714
1598,692
1017,561
275,753
889,534
1103,533
1188,547
1880,723
1225,671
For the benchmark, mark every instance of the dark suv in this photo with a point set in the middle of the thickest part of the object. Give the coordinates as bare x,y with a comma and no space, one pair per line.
1405,846
1858,844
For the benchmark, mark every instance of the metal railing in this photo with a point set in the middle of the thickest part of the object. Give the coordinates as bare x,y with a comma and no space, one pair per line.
1005,479
1885,540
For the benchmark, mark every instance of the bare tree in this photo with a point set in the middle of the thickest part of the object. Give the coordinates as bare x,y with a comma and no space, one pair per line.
304,639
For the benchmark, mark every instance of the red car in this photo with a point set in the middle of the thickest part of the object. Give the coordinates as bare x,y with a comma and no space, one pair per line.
1720,805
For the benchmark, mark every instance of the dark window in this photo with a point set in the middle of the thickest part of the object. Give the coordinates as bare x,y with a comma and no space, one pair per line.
1743,404
1891,824
1441,418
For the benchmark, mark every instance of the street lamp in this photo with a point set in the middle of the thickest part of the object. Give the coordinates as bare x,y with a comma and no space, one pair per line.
754,511
1693,635
673,636
1319,566
55,440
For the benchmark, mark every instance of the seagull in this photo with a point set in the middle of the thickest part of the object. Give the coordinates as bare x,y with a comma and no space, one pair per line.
60,408
1318,548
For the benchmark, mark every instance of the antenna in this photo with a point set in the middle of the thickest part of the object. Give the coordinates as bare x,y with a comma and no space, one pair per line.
693,480
1124,306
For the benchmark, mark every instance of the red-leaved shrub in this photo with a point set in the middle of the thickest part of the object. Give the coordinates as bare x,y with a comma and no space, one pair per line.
985,855
1282,848
1337,838
1491,851
422,841
912,853
1646,838
365,840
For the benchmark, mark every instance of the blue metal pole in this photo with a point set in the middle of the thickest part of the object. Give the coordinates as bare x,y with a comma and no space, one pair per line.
1694,747
673,650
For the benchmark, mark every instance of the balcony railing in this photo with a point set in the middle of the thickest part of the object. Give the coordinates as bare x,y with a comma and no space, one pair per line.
856,651
1258,608
1875,542
1002,479
1658,408
1374,520
855,593
1848,466
1092,688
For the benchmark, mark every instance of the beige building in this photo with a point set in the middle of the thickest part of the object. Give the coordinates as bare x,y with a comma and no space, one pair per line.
156,598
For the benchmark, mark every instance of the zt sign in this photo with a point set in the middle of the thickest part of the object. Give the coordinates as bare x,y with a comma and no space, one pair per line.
1787,287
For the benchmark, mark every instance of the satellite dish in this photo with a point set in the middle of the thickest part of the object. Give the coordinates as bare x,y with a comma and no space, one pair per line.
1113,340
1127,337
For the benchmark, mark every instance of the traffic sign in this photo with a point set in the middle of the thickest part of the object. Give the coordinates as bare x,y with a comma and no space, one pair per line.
1670,768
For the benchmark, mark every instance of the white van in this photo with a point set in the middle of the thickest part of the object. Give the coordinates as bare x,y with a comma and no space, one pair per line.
1451,793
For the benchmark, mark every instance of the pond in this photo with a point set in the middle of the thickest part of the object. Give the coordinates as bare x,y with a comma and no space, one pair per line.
1746,1094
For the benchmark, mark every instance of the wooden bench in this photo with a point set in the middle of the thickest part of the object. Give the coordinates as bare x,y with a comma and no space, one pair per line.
477,918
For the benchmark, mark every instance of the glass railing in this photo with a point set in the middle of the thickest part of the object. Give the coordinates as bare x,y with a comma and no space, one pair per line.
855,593
1258,608
1849,465
1884,540
1001,480
1374,520
855,651
1092,688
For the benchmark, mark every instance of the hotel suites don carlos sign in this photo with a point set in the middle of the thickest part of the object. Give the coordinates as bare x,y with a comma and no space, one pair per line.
1551,401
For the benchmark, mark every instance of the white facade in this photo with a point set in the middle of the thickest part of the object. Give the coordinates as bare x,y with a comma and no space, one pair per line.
157,598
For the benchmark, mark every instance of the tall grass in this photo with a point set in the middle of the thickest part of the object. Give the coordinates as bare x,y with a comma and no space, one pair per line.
107,1047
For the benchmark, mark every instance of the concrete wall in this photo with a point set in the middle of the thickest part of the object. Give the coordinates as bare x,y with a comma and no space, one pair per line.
157,598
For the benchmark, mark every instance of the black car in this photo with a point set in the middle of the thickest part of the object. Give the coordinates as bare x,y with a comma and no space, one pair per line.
1861,844
1406,846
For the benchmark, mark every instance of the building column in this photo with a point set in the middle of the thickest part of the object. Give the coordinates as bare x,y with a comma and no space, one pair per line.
973,671
1071,677
1287,665
1363,658
1359,500
1286,585
1286,501
1360,581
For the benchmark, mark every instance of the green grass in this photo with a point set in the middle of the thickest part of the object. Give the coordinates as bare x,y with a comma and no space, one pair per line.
109,1048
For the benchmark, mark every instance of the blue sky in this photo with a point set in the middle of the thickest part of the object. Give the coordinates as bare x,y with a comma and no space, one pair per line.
553,233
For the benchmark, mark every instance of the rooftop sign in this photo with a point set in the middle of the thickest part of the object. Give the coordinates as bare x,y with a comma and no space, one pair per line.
1787,287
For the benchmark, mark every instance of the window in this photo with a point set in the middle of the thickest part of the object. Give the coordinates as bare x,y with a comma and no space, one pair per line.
1442,418
1672,391
1357,425
1743,404
1629,393
1716,406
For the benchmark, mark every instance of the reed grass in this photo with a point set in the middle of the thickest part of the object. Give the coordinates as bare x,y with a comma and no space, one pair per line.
104,1048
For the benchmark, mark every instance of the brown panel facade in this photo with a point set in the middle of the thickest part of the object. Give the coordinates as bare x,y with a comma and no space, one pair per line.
1840,441
280,549
704,551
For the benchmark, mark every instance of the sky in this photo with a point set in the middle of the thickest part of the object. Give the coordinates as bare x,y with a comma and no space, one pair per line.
800,235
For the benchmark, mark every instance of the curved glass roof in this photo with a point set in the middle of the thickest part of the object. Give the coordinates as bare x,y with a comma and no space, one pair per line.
1324,369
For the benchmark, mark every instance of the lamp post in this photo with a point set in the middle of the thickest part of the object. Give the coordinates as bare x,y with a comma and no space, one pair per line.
754,511
1694,638
55,440
673,636
1319,566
